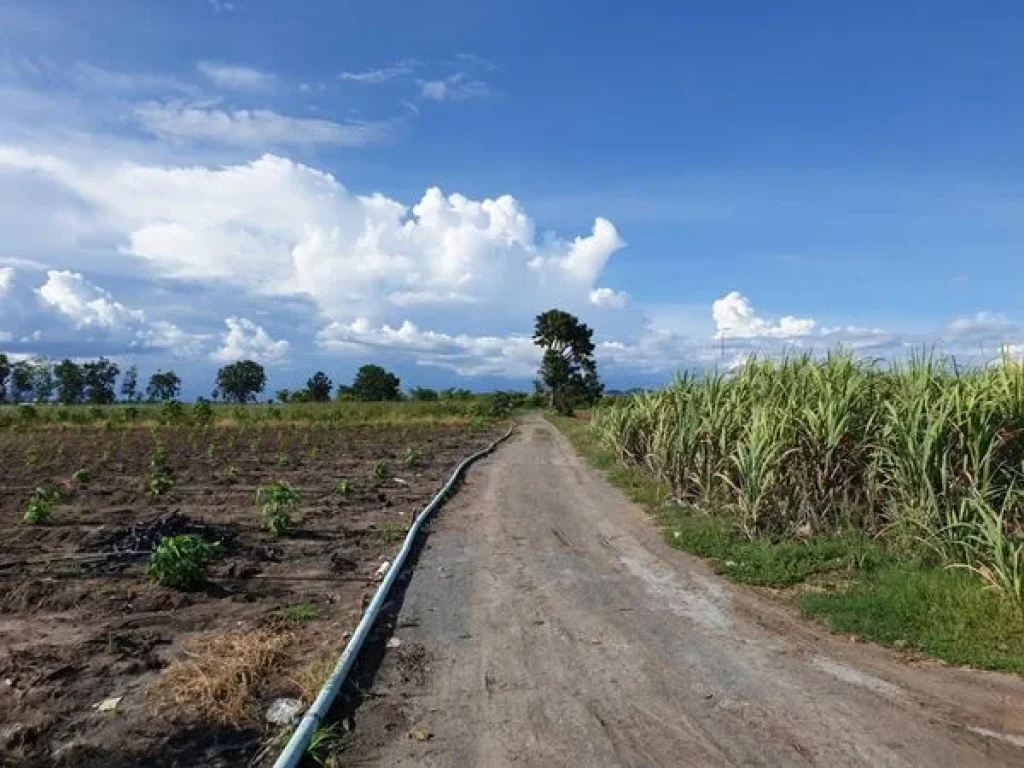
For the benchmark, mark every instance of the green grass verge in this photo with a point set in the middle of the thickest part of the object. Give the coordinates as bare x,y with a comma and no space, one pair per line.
948,614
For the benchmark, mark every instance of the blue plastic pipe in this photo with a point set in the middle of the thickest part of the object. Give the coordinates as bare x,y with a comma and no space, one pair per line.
296,747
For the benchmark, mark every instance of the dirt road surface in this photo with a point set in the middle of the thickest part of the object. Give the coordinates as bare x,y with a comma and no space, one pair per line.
548,624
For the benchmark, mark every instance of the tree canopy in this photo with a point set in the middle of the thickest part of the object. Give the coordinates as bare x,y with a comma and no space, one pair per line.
373,383
240,382
319,387
163,386
70,382
568,371
100,378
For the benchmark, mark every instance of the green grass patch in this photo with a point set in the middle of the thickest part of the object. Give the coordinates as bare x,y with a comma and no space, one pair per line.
945,613
300,613
939,611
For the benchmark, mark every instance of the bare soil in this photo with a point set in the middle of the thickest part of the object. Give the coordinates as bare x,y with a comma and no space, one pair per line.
79,622
548,624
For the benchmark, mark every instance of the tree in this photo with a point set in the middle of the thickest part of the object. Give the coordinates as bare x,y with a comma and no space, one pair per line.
130,384
163,387
5,372
240,382
21,380
100,381
283,395
70,382
374,383
568,370
42,379
319,387
420,393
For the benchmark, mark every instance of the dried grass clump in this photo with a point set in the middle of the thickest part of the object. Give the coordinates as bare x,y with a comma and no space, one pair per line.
220,676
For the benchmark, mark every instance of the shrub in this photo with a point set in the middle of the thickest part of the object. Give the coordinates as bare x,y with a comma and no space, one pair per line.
179,562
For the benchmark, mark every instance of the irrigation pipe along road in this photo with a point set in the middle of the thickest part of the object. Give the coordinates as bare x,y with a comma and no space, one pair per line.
296,747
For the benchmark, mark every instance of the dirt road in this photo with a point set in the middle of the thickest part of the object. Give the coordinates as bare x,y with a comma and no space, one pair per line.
547,624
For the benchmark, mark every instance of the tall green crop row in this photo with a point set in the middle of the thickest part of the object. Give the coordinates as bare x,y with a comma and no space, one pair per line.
921,452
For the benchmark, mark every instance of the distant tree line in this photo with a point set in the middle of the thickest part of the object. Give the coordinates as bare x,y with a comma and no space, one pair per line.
94,382
567,377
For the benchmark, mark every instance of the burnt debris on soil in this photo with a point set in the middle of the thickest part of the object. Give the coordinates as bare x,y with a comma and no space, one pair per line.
142,538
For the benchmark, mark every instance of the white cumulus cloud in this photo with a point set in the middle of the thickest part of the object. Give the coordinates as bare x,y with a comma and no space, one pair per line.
85,304
245,340
90,308
468,355
734,317
276,227
606,297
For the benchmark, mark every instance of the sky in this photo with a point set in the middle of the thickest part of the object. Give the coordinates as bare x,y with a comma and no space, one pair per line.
320,184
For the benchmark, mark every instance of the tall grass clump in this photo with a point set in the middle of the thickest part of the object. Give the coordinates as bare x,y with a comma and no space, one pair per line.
922,454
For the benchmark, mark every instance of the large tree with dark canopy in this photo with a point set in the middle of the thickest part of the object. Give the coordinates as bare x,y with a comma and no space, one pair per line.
70,382
163,387
319,387
568,370
240,382
100,381
374,383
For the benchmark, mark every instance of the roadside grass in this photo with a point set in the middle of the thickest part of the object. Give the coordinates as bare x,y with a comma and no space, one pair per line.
850,582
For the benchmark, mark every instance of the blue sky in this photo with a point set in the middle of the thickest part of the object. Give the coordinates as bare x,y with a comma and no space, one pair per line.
189,182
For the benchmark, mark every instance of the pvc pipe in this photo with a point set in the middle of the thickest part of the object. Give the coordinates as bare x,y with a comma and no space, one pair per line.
296,747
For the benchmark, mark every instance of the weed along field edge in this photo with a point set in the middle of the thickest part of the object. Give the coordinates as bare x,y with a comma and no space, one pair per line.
173,594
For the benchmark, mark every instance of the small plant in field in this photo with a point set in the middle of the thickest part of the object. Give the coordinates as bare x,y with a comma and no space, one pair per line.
32,457
40,506
344,487
300,612
233,474
180,561
81,476
413,457
211,451
159,485
276,520
202,412
314,452
159,482
278,499
172,412
380,470
284,460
